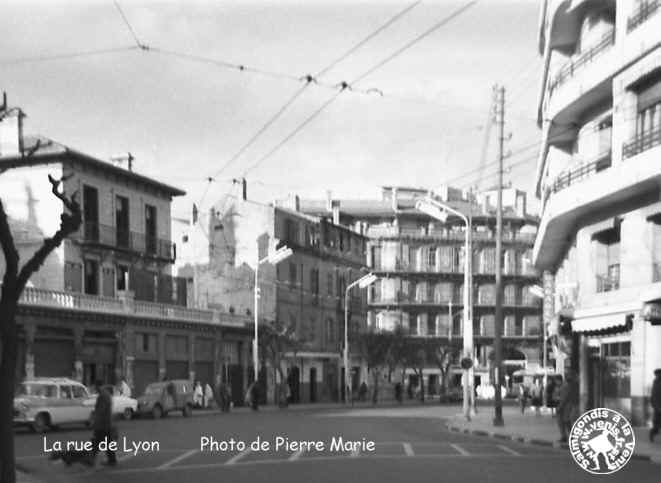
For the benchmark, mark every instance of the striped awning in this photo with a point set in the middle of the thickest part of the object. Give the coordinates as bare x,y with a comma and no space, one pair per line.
603,323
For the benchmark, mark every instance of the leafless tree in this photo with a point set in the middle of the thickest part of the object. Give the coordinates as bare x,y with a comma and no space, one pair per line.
13,282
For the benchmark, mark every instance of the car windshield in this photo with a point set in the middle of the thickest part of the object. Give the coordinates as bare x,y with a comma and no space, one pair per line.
37,390
154,389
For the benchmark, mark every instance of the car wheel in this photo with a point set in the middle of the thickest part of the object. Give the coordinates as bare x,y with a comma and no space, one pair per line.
40,424
187,411
127,414
157,412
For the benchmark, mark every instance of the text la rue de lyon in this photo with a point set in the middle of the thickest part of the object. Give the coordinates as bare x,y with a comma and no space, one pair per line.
123,445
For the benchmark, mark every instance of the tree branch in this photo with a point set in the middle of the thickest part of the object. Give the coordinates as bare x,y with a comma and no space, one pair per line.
69,223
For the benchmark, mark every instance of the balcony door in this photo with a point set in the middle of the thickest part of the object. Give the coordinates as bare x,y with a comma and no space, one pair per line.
122,221
91,213
150,228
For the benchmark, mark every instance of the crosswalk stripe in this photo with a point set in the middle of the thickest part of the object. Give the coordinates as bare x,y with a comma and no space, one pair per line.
237,457
408,449
508,450
296,455
459,449
179,458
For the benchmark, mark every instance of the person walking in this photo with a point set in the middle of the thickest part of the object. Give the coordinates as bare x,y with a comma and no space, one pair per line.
536,396
124,388
523,397
103,429
198,395
208,395
567,406
655,400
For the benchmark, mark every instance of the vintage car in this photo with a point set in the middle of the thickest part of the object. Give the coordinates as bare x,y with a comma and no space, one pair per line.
160,398
47,402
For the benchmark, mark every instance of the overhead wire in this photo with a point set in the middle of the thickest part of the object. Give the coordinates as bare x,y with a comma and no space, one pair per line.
130,27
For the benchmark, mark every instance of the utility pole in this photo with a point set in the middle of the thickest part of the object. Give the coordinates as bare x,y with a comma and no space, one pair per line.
498,340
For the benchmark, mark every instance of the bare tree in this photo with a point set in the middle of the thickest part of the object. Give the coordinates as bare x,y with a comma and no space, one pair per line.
443,354
376,347
13,283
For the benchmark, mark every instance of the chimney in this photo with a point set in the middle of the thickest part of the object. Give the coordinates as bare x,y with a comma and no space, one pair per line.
244,189
336,212
297,203
11,130
393,199
329,200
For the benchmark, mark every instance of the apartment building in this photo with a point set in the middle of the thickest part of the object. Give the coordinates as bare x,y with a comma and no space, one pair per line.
420,264
599,240
105,303
304,293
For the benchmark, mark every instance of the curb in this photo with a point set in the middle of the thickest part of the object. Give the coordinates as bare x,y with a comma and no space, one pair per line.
534,441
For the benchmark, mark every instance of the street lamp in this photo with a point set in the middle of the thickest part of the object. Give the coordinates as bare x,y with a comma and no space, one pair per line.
440,211
362,282
275,257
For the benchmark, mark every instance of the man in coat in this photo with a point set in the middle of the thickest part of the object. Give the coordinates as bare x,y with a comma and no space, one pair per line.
567,406
103,429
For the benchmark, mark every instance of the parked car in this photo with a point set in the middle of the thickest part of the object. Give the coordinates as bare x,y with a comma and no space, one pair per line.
46,402
160,398
122,406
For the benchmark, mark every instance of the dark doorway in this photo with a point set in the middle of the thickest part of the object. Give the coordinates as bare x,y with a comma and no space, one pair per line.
150,229
313,384
236,384
294,381
91,277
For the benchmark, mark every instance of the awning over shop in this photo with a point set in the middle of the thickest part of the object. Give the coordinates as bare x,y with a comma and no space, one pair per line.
609,323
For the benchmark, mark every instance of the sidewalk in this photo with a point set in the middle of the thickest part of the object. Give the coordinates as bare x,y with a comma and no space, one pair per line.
538,429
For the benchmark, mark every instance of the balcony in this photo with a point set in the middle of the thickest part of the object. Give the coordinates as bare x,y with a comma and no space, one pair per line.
608,283
642,142
36,297
568,70
582,172
645,10
110,236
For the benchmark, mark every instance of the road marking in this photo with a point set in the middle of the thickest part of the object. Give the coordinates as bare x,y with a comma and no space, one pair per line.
459,449
237,457
179,458
408,449
125,456
296,455
508,450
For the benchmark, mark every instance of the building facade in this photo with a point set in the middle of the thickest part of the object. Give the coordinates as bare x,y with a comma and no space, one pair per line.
597,177
304,293
105,304
420,265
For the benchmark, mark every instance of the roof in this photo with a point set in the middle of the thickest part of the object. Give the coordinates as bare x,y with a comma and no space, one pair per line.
40,149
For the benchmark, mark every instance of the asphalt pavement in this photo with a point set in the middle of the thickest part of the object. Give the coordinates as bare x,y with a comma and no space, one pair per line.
381,444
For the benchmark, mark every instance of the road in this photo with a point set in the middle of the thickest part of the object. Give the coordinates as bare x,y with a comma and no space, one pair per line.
410,445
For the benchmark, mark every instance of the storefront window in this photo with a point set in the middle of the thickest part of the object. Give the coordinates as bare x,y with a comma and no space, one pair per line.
616,375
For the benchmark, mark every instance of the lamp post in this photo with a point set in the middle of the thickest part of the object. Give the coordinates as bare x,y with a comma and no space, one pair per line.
440,211
275,257
362,282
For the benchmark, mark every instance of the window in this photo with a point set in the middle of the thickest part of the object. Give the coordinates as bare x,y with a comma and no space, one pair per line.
122,221
91,277
150,229
607,250
291,229
145,343
329,281
431,258
616,372
314,284
79,392
122,272
656,247
341,241
65,392
91,212
330,332
292,273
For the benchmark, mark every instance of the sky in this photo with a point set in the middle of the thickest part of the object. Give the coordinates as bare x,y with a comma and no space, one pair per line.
183,120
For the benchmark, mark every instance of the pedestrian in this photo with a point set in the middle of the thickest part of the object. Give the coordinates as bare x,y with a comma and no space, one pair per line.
228,397
103,429
523,397
536,396
252,396
362,392
198,395
208,395
398,392
551,402
124,388
567,405
655,400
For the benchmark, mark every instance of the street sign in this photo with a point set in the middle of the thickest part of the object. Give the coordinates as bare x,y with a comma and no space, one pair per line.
466,363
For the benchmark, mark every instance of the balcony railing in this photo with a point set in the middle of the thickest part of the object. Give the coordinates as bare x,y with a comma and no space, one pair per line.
583,172
449,235
608,283
78,301
111,236
642,142
646,9
567,71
